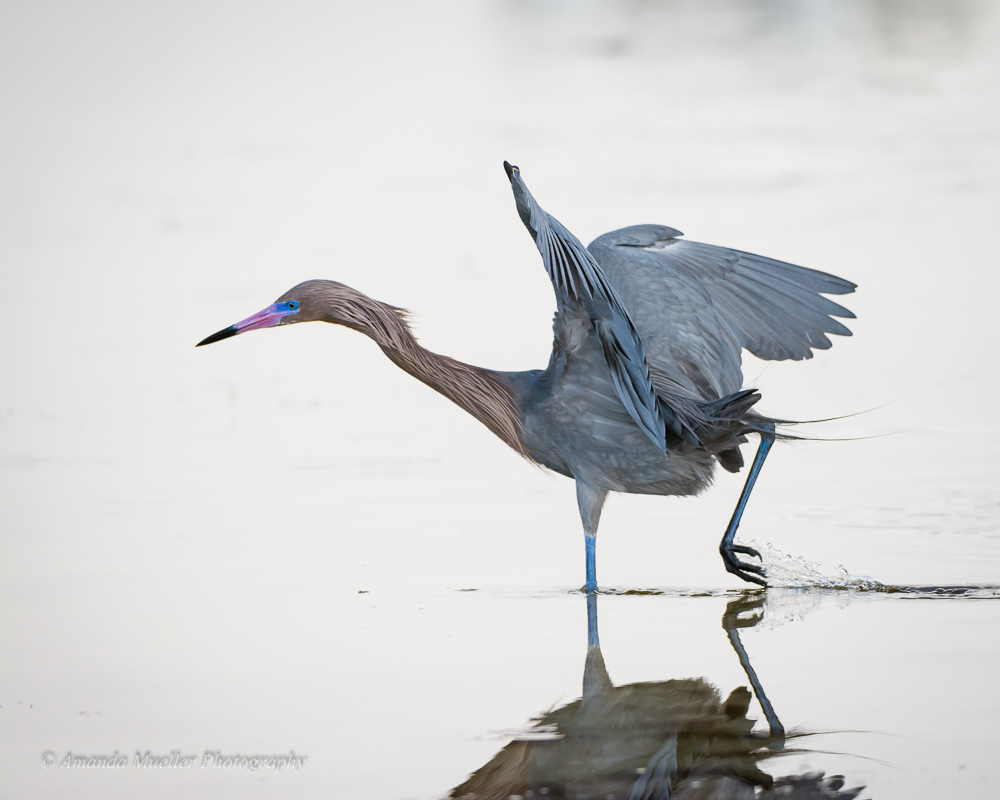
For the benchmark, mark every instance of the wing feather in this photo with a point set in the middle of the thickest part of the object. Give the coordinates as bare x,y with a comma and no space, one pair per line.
774,309
578,279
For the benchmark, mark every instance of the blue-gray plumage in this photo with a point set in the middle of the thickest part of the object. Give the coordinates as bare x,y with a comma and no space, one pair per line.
643,391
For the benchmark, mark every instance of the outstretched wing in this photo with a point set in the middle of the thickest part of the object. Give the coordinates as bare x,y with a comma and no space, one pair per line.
733,300
578,280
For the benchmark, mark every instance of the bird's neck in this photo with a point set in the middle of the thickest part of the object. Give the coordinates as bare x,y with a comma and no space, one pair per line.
481,392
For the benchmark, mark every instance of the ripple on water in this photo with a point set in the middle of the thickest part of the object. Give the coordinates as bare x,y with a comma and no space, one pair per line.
785,571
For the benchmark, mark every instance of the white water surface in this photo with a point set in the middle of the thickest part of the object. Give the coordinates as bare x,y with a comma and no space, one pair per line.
283,543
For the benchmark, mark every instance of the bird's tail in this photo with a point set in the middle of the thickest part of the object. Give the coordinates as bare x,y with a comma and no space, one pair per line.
722,425
731,410
716,420
729,418
716,423
727,421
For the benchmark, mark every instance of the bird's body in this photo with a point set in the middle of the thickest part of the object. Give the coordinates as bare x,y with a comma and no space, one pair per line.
573,423
643,391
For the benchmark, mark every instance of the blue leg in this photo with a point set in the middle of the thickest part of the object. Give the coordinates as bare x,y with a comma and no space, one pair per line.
596,683
748,572
591,543
592,638
732,622
591,501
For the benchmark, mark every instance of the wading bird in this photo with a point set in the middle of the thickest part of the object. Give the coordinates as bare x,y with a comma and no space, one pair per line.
643,391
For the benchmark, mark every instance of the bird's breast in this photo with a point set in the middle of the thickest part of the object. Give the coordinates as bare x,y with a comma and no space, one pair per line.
577,426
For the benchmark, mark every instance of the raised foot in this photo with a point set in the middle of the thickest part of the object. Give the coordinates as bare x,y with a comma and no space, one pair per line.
751,573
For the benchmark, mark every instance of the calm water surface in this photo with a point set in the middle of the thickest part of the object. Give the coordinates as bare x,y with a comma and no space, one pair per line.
281,544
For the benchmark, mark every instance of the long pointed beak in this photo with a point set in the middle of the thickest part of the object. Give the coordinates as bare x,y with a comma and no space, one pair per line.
267,318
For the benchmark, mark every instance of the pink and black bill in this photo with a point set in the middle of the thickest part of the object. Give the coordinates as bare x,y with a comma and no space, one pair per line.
268,318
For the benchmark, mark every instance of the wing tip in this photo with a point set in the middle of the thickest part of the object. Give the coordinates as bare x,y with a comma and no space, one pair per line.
510,169
844,287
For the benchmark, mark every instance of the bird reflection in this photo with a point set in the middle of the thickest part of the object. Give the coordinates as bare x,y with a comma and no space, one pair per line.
651,741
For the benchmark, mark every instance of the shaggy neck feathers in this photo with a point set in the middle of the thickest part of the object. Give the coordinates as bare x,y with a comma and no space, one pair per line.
478,391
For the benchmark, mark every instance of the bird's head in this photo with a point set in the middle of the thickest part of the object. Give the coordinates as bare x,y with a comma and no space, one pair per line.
310,301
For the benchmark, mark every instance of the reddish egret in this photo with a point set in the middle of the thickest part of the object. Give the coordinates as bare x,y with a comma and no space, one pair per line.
643,391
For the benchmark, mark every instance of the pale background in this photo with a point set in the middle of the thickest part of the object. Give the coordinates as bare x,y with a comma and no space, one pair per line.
185,532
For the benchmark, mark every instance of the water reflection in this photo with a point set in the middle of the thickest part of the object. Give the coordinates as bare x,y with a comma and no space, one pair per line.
660,739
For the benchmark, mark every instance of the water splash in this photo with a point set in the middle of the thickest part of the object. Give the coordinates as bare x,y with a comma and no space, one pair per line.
784,571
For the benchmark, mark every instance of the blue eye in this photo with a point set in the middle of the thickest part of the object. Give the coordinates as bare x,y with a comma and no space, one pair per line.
293,306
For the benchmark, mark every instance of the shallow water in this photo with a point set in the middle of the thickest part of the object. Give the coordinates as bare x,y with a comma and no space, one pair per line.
281,543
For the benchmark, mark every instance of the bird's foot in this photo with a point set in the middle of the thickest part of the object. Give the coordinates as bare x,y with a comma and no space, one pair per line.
751,573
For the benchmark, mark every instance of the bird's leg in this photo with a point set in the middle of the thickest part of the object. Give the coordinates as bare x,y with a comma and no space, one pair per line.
748,572
590,542
596,682
593,640
591,501
731,622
